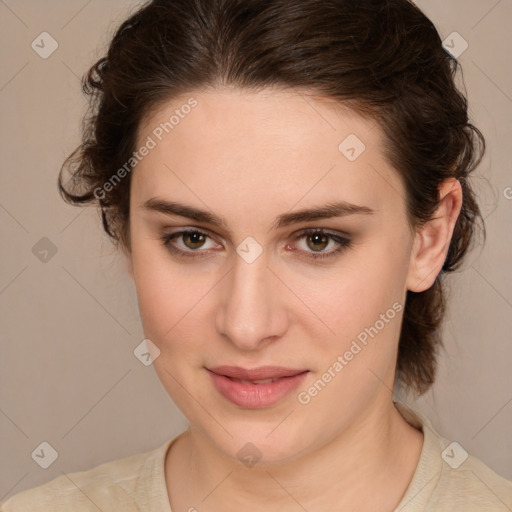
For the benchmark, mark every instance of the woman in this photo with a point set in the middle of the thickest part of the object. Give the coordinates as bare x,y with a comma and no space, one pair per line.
289,183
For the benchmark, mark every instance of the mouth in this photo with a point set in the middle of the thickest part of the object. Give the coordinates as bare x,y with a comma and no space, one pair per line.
261,381
258,387
262,374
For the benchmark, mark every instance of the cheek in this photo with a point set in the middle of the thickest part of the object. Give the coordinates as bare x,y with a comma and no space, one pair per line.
170,299
354,295
160,295
362,304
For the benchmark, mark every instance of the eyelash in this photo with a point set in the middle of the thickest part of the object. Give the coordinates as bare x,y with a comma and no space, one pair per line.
343,243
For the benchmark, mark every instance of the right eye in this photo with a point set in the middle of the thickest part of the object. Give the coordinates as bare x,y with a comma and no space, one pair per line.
192,240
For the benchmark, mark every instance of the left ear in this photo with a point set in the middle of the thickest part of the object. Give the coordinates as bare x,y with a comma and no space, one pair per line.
432,240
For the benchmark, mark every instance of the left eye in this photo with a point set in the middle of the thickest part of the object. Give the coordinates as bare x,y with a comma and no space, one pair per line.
316,239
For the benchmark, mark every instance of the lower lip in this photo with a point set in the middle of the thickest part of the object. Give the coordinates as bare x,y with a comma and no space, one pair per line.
256,396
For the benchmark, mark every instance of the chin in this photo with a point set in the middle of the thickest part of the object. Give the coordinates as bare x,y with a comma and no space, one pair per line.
261,442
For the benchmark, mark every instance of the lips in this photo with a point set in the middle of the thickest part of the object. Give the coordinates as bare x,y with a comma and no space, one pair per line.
262,373
258,387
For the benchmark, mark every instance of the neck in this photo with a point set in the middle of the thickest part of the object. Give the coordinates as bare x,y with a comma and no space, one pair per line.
368,466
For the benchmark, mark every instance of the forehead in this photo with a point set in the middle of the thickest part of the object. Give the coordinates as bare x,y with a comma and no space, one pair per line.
270,149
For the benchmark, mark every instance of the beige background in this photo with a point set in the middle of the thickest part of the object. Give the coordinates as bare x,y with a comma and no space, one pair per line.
69,326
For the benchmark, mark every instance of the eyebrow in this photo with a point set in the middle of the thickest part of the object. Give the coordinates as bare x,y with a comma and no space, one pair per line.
329,210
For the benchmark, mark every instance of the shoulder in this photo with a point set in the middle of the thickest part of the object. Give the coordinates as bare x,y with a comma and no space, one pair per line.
449,479
471,486
113,483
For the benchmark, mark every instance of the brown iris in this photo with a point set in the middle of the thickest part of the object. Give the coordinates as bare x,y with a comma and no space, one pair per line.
197,240
318,237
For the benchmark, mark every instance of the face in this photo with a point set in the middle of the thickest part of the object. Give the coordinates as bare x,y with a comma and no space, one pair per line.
256,284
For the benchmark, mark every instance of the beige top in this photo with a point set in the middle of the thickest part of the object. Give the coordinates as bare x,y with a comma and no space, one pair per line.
445,480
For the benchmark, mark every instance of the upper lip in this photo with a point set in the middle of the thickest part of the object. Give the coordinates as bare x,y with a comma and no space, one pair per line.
260,373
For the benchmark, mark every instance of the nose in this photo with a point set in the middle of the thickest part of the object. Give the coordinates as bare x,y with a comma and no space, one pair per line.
251,310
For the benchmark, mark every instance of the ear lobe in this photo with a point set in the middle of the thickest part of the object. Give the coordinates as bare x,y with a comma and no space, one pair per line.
432,241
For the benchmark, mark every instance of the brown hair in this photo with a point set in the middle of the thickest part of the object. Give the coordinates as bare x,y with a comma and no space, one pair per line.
384,59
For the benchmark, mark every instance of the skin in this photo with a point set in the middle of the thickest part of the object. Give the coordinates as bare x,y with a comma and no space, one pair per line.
273,152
